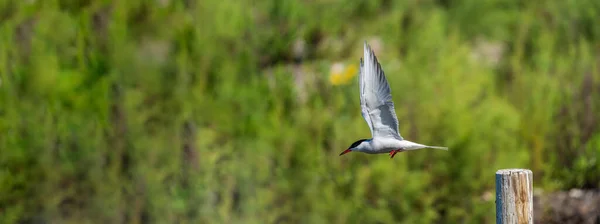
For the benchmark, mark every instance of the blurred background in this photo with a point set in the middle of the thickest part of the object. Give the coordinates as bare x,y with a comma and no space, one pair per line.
235,111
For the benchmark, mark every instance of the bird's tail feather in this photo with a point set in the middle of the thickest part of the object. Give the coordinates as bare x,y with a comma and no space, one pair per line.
438,147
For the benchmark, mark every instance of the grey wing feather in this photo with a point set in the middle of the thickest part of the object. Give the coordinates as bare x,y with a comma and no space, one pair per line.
363,105
376,98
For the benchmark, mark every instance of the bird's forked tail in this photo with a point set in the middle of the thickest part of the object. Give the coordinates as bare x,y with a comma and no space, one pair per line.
438,147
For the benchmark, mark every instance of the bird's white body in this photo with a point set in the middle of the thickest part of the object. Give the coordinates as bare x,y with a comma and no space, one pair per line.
377,108
386,145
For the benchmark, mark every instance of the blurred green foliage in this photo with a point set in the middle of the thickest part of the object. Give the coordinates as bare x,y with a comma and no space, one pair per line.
190,111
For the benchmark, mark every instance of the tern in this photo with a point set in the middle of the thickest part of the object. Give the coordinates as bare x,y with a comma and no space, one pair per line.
377,108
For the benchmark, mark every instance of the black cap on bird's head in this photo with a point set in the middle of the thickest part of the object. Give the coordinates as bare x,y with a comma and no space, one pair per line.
355,144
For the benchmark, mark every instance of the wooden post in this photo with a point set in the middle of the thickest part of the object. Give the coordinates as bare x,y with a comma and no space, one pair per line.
514,196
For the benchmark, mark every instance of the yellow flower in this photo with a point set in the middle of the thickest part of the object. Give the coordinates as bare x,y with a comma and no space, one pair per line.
341,74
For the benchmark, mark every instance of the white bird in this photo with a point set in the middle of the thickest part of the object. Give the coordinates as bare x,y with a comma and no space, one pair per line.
378,111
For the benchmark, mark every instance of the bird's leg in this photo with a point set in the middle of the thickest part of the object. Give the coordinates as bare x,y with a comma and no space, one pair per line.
393,153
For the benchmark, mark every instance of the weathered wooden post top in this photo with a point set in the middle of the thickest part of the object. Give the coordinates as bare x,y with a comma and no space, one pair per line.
514,196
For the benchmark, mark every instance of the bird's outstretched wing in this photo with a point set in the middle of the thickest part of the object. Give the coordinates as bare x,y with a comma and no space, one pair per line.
376,97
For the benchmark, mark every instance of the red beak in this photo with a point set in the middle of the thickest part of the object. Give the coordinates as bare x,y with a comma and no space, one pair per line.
345,151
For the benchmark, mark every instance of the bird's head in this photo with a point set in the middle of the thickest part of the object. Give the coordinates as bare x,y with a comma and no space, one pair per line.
356,146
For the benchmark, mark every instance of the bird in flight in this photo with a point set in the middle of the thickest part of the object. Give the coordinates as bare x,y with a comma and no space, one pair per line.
378,111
